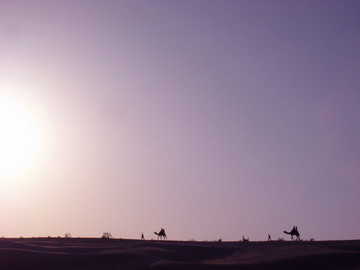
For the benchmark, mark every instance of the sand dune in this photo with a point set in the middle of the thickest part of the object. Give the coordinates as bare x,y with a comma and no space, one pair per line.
87,253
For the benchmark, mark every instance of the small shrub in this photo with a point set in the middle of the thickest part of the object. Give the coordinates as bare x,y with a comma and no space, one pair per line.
106,235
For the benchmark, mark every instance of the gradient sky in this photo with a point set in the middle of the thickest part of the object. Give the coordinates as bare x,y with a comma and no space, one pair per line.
212,119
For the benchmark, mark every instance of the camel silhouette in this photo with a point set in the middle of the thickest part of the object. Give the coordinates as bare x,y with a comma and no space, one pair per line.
245,239
294,232
161,234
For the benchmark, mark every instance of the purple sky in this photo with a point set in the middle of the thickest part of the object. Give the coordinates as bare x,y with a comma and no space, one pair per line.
212,119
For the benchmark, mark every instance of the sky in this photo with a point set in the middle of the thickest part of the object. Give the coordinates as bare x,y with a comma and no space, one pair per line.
211,119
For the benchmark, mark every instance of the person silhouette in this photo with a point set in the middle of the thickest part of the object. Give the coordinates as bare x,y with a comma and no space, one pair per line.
142,236
269,237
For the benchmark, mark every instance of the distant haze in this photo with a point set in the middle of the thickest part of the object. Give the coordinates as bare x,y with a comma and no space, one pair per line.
211,119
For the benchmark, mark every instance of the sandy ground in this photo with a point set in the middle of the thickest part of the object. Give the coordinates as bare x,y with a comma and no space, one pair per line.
85,253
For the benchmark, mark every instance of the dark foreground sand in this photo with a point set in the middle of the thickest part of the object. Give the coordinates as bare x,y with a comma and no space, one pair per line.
84,253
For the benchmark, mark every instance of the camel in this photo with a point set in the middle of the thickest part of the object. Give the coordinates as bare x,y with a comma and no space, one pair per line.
245,239
161,234
293,232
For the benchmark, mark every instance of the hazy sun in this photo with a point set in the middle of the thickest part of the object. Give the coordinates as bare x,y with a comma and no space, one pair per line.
19,138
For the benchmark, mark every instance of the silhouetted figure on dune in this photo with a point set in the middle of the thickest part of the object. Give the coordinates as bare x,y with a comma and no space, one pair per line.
245,239
269,237
294,232
161,234
142,236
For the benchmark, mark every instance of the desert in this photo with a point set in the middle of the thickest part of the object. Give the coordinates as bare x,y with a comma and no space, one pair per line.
93,253
230,124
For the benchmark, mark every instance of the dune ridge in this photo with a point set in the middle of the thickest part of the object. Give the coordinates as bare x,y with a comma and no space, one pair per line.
91,253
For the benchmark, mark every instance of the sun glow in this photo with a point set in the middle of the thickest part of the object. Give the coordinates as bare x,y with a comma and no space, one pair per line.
19,138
